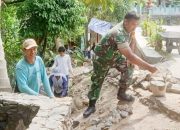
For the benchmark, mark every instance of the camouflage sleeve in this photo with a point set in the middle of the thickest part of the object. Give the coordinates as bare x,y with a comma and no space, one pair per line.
121,42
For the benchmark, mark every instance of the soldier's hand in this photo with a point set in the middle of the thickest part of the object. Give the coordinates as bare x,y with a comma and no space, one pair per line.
153,69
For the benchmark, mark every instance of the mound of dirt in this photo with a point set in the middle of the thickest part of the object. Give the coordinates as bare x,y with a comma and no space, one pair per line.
112,114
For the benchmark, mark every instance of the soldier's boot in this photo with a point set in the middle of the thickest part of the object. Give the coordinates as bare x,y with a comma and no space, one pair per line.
122,94
91,109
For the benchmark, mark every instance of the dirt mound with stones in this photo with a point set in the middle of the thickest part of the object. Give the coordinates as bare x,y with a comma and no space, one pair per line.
112,114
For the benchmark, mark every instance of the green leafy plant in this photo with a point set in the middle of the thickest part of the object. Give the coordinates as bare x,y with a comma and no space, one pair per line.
100,3
78,57
41,19
152,30
11,40
49,58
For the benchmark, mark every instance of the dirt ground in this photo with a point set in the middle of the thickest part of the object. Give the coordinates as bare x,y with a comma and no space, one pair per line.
106,117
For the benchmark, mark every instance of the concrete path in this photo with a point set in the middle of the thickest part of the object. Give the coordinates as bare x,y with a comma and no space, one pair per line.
172,28
150,55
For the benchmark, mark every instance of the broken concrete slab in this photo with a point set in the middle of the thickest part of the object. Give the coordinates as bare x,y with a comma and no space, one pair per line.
41,112
174,67
158,88
169,104
175,88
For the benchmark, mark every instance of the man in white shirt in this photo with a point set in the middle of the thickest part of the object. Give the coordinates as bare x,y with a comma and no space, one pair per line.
63,63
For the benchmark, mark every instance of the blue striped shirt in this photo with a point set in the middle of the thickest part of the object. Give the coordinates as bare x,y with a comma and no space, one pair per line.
30,76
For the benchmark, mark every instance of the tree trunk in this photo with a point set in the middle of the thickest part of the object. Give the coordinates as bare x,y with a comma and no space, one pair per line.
58,41
4,79
43,43
42,52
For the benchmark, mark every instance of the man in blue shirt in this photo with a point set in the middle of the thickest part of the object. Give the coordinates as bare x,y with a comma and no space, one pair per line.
31,72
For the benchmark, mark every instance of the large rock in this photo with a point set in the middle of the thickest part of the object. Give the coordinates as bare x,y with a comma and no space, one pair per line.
22,111
174,88
158,88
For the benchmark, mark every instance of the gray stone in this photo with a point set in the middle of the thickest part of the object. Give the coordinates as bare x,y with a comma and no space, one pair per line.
52,124
169,84
108,124
145,85
116,120
115,114
168,78
9,102
95,121
175,88
158,88
110,118
122,107
157,78
124,114
78,103
129,110
19,115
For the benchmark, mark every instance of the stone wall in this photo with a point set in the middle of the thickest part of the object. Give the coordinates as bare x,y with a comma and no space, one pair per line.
16,116
22,111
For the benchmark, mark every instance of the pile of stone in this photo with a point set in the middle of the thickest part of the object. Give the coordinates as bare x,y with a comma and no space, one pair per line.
158,84
107,118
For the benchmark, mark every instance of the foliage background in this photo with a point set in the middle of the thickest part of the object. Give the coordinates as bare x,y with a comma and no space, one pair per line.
46,20
10,37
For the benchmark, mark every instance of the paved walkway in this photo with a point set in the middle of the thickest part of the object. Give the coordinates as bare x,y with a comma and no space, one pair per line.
174,68
172,28
151,56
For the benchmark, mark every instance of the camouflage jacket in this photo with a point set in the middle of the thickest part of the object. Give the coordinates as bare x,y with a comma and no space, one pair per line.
115,38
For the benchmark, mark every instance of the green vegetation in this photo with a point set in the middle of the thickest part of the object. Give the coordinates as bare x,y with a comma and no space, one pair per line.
10,37
152,30
41,19
47,20
121,7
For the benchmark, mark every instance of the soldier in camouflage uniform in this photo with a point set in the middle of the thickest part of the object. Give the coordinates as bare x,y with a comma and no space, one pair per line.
116,51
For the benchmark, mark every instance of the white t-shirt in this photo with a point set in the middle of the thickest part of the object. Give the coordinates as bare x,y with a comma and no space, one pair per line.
63,63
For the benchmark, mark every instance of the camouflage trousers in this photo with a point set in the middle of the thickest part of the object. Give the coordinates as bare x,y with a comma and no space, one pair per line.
100,70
